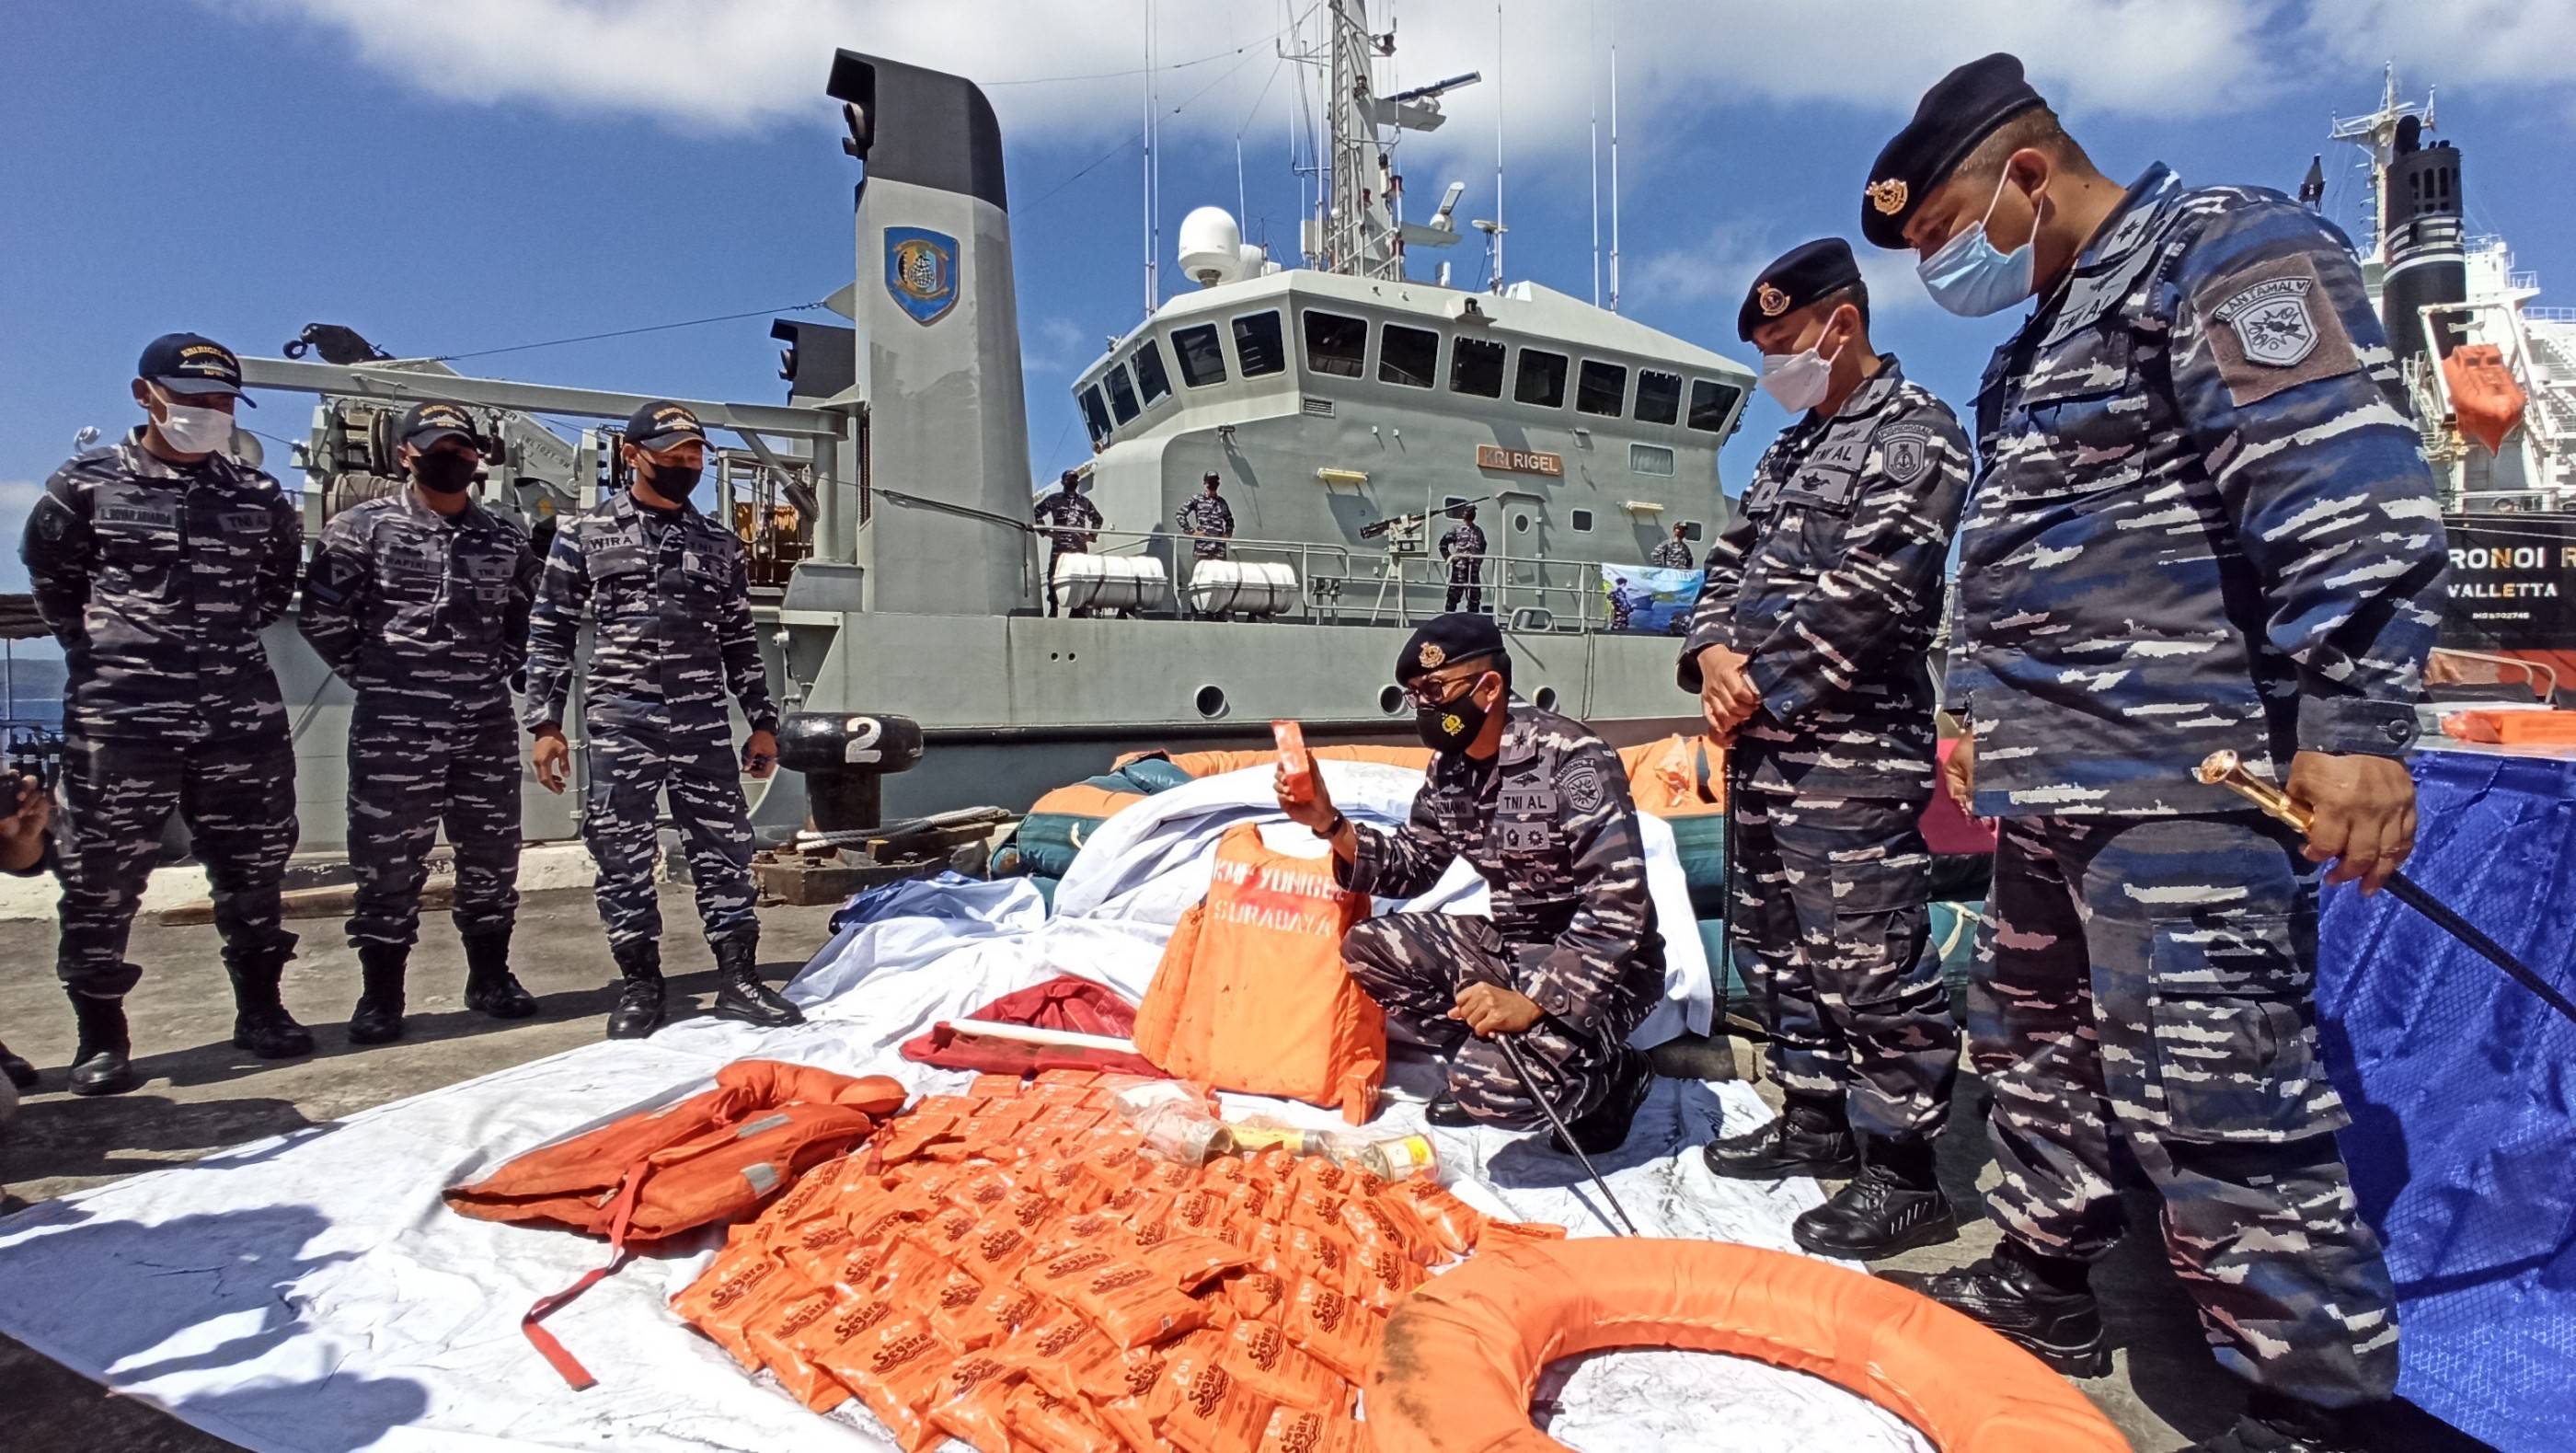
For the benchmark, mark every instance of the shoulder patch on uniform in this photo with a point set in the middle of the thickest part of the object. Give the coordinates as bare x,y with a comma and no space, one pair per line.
1581,784
2273,326
1905,451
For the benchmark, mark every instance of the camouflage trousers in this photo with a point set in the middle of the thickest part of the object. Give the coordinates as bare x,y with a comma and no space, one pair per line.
621,822
1414,964
1833,931
237,797
2148,979
405,781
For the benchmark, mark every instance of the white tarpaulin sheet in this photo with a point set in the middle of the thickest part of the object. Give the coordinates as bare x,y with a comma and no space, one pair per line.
311,1293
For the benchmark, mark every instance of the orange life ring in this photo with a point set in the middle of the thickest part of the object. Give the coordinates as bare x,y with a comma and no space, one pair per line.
1462,1354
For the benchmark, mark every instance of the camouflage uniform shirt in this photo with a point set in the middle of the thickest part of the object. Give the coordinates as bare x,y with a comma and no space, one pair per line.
431,609
2201,520
1209,521
1549,825
1829,578
158,578
1464,548
1074,518
1671,555
671,632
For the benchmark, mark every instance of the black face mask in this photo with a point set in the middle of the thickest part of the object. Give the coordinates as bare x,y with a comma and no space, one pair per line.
672,482
443,472
1450,727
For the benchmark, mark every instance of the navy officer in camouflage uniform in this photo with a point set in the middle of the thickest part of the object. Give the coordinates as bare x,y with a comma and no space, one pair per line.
1208,520
157,561
1673,553
1809,649
2201,522
1463,546
1569,963
1073,521
668,599
420,601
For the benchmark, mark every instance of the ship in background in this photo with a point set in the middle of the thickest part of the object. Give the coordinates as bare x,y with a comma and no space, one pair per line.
2492,377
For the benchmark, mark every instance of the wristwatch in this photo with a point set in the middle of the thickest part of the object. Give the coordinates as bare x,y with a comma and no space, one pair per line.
1333,829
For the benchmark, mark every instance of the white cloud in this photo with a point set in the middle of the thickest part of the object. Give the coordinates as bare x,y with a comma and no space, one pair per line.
17,497
1720,269
2484,43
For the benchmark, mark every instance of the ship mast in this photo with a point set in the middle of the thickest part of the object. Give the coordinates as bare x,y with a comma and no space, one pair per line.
2376,135
1354,231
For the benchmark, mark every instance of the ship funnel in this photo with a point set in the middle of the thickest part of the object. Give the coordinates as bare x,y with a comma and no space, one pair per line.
2423,236
1212,248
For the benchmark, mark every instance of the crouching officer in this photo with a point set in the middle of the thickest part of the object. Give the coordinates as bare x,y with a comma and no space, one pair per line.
1570,962
157,562
420,601
1808,648
2203,522
669,603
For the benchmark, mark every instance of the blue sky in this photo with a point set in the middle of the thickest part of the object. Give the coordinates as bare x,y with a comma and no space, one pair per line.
486,173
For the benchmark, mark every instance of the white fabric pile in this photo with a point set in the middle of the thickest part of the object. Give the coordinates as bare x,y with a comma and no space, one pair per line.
312,1293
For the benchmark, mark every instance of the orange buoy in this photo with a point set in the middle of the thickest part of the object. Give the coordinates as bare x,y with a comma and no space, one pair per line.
1462,1354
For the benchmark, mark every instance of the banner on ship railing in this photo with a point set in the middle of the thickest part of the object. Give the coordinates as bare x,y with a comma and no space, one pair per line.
1649,600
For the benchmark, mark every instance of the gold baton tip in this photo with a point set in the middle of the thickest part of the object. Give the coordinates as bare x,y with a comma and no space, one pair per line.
2216,767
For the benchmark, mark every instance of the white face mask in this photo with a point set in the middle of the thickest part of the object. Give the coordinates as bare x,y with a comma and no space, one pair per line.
193,430
1798,381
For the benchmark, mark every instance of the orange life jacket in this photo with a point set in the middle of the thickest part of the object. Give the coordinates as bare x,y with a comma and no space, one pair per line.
1252,995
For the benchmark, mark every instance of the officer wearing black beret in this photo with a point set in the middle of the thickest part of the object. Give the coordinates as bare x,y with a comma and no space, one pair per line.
1568,962
1807,647
2202,523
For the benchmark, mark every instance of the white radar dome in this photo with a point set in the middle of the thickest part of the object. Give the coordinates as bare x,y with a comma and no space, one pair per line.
1212,247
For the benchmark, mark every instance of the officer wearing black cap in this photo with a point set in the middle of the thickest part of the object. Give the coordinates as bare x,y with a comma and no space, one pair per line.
668,598
1569,962
1073,522
1208,520
420,601
2202,522
157,561
1807,647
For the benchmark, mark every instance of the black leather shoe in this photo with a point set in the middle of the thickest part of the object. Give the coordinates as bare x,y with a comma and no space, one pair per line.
1881,1213
490,988
741,995
378,1018
639,1003
2275,1424
1445,1111
2006,1293
1804,1140
102,1065
1605,1127
20,1073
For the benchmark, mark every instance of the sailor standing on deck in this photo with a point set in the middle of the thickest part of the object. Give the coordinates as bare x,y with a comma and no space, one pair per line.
1073,521
1464,548
1208,520
668,599
157,561
1569,963
1673,553
2201,523
1807,648
420,601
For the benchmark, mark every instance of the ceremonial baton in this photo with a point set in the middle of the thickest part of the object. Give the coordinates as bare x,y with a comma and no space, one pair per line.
2224,769
1512,1053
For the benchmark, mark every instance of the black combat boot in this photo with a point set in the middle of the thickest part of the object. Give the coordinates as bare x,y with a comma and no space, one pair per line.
741,995
1444,1111
378,1018
639,1003
490,987
1895,1204
260,1021
2273,1423
1808,1138
1604,1128
103,1064
20,1073
2044,1304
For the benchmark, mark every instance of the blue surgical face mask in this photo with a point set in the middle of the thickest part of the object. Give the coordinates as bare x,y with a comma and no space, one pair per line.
1970,278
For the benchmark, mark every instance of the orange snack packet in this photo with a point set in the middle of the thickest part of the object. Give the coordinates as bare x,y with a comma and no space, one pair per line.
1263,1358
1256,1294
1211,1410
895,1368
1057,1275
1523,1230
1296,766
1060,1352
972,1401
1201,1211
777,1338
908,1137
720,1304
1052,1424
1188,1262
1313,1253
954,1308
851,1314
1295,1430
1451,1223
992,1087
1135,1305
1333,1327
1373,1223
1382,1277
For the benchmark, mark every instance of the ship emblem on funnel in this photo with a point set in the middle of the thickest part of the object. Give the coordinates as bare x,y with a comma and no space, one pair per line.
921,271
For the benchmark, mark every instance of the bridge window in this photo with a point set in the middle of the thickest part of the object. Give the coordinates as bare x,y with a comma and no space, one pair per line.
1122,394
1542,379
1690,530
1335,344
1583,522
1659,397
1095,416
1257,344
1711,404
1650,459
1202,357
1476,367
1150,377
1409,356
1602,388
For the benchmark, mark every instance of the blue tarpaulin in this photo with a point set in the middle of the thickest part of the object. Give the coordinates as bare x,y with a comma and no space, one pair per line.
2462,1087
